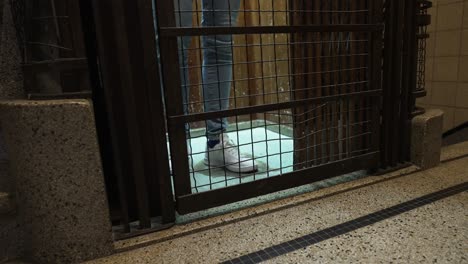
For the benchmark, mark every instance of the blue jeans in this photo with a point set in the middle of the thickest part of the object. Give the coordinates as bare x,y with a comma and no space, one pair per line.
217,58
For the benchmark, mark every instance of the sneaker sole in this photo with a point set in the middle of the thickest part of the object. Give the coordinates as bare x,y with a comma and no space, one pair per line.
233,168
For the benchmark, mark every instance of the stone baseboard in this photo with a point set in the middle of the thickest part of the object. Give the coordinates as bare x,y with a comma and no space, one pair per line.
426,139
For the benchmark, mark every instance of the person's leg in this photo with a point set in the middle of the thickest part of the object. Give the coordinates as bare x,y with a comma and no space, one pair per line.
184,19
217,79
217,61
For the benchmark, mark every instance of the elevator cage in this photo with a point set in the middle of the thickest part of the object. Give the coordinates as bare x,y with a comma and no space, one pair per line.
300,91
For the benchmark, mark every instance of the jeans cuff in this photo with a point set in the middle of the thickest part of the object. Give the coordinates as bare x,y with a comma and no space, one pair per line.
213,137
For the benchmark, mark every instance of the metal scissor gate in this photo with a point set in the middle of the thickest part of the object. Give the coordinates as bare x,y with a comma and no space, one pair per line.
301,90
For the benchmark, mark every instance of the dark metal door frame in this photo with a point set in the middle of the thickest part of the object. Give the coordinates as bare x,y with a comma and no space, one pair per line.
404,61
129,78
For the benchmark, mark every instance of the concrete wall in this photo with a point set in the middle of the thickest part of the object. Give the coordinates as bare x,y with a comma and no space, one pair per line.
447,62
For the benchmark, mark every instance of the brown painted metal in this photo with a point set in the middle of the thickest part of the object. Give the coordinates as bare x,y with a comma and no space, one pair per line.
362,99
400,69
298,82
271,107
130,76
205,200
375,62
117,80
409,61
380,95
173,94
323,121
130,79
202,31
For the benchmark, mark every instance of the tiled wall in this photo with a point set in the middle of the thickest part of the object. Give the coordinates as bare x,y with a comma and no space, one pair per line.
447,62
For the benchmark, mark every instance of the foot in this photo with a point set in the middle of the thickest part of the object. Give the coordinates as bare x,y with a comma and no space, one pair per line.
226,154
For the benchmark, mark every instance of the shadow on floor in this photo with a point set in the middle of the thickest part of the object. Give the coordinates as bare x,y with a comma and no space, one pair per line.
456,135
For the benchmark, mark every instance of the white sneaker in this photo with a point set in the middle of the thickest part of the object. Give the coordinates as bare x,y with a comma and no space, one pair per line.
189,152
226,154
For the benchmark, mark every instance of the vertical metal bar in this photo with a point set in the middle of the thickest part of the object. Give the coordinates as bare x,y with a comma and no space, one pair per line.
156,157
299,83
368,76
387,83
264,98
354,65
249,51
336,81
309,91
308,68
327,79
411,102
361,77
342,80
316,82
409,70
110,74
127,45
174,102
375,71
307,116
277,86
107,139
395,80
234,87
345,78
249,20
129,73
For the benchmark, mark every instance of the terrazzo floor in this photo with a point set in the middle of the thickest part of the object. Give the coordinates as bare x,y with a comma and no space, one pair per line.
433,233
436,233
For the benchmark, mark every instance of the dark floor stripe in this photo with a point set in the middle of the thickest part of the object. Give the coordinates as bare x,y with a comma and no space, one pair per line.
334,231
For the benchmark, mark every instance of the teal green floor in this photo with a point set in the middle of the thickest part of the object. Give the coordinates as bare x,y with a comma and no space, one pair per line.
272,151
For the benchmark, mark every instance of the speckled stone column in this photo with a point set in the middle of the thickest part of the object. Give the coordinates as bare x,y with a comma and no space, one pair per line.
61,196
426,139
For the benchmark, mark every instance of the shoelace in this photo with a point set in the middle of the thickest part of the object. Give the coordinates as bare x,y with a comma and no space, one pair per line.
232,148
229,146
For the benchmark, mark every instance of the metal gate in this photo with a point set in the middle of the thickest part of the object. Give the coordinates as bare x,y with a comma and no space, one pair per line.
312,68
312,90
315,89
